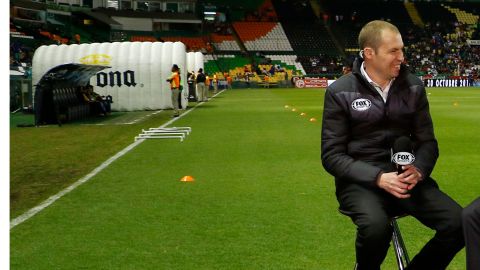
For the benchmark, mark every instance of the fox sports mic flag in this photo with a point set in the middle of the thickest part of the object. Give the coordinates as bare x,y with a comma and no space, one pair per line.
402,152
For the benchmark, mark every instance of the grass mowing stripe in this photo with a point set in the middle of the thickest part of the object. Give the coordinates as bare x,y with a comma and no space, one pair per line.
30,213
254,204
261,199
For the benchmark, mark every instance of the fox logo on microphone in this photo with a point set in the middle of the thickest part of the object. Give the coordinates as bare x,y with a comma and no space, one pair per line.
403,158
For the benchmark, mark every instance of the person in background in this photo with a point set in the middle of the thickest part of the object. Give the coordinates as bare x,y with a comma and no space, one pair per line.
98,104
77,38
365,112
192,95
215,83
346,70
229,81
246,69
174,81
247,79
207,81
266,81
202,92
264,71
272,70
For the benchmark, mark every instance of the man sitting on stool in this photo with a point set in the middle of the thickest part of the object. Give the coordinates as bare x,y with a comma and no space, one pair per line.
364,112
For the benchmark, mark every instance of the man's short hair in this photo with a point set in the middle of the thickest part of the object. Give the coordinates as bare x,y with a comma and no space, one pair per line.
371,33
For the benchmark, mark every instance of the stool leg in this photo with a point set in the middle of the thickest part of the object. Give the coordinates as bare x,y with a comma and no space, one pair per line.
399,246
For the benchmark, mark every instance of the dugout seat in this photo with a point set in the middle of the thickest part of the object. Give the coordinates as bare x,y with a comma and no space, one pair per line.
68,105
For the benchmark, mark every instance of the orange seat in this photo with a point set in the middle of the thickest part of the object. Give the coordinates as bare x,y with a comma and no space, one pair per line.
253,30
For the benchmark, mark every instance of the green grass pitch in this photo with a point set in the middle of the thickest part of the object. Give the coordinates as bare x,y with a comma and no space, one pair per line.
260,199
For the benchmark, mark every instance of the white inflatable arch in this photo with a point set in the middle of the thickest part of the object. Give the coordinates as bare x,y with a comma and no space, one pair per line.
194,61
138,73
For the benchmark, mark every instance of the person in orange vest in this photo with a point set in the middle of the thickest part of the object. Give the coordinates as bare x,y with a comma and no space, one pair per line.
175,86
215,83
229,81
207,82
267,81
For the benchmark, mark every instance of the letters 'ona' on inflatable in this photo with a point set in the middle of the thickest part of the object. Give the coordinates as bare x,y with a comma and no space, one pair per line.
138,73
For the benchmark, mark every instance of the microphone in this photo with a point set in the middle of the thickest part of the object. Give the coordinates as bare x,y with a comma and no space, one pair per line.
402,153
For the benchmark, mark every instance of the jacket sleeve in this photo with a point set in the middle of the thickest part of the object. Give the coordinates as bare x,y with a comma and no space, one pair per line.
426,152
335,139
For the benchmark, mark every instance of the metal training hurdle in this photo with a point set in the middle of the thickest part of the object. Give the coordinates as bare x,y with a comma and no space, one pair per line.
164,133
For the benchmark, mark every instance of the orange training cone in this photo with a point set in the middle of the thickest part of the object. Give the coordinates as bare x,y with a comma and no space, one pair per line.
313,119
294,110
303,114
187,178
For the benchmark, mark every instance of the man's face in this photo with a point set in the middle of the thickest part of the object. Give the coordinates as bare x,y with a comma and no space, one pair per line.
385,61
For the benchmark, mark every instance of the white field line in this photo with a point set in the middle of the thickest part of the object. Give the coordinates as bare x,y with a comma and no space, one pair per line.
30,213
35,210
127,123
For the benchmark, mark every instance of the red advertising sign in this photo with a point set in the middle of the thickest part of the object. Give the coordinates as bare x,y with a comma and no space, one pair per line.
311,82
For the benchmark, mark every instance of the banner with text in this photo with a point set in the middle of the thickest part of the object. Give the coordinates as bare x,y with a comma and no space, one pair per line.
447,83
310,82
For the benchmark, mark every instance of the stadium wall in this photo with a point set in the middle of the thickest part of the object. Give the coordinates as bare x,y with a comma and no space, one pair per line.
135,24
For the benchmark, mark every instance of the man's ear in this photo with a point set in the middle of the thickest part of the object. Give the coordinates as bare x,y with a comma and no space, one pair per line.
368,53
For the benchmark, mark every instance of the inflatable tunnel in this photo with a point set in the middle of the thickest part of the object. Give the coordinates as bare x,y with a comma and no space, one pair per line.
136,74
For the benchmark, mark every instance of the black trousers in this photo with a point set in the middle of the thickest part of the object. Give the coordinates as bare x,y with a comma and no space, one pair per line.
370,208
471,230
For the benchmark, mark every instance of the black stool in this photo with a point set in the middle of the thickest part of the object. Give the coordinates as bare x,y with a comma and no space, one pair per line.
401,253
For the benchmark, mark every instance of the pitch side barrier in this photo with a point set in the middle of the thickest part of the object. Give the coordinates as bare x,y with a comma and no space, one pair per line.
443,83
318,82
314,81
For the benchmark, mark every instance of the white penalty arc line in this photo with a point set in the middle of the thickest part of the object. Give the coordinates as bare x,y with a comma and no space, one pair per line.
35,210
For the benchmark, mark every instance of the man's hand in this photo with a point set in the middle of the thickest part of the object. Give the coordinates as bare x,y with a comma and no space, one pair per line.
411,176
391,183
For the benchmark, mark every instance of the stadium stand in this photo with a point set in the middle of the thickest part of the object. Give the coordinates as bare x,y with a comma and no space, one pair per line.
310,40
312,37
307,36
143,38
265,12
287,60
192,43
263,36
462,16
224,42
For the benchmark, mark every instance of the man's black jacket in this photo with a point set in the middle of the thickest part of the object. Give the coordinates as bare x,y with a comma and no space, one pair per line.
201,78
359,128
